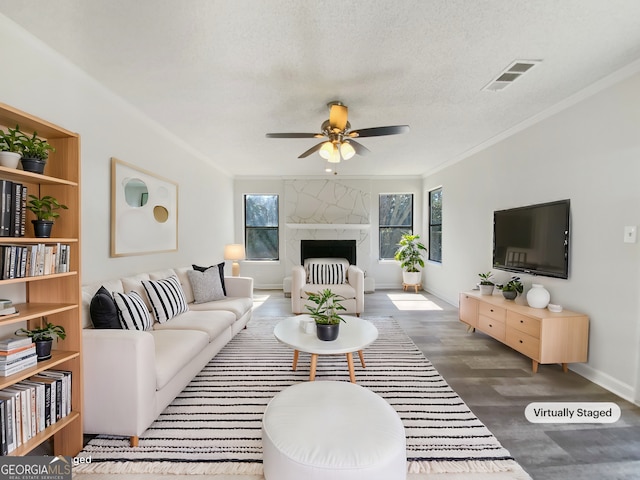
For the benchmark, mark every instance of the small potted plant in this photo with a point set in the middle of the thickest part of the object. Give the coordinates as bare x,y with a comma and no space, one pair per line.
512,288
45,211
325,313
43,338
486,285
10,147
35,152
409,254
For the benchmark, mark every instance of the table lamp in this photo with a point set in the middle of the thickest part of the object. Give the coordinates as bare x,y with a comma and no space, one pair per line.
234,252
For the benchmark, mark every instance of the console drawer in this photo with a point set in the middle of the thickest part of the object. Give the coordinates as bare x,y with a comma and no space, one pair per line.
523,323
523,343
491,311
492,327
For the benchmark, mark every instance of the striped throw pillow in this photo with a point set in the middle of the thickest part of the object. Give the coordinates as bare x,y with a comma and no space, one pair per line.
166,298
132,311
326,273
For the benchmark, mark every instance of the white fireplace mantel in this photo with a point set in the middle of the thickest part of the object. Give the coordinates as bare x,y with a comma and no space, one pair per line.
329,226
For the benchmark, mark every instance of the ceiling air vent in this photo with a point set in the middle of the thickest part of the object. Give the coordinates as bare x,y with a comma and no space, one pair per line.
511,74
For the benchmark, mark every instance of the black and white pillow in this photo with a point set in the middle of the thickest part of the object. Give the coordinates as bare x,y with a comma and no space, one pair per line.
220,269
206,285
166,298
132,311
326,273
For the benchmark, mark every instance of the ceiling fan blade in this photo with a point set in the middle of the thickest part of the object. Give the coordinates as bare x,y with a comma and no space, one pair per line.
359,148
294,135
313,149
379,131
338,117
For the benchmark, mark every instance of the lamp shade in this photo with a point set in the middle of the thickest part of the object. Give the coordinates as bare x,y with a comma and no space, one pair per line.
326,150
234,251
346,150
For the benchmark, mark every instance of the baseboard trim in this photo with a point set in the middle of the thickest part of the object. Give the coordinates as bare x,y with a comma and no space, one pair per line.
605,381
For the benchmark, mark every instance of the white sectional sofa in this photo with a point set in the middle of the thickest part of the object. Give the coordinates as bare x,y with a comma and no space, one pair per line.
130,376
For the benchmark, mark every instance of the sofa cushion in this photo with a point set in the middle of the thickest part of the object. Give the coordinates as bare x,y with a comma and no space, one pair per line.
166,297
206,285
103,310
132,311
181,272
326,273
238,305
134,284
174,349
220,270
212,323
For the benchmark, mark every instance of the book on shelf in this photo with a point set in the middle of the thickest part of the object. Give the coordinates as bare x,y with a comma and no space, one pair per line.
19,261
11,343
6,192
50,397
14,424
5,303
7,311
15,351
20,365
11,357
9,420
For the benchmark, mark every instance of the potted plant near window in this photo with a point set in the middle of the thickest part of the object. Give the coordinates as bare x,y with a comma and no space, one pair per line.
511,289
409,254
10,147
43,338
35,152
45,211
486,285
325,313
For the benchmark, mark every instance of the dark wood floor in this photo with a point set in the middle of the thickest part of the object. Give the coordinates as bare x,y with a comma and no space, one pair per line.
497,384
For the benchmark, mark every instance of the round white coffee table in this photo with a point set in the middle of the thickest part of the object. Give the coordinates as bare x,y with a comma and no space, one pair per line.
355,335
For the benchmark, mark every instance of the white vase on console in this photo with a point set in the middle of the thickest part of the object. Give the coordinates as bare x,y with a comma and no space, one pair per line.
538,296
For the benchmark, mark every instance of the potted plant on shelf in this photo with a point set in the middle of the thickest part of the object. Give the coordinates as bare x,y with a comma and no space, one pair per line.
512,288
325,313
35,152
409,254
43,338
10,147
486,285
45,211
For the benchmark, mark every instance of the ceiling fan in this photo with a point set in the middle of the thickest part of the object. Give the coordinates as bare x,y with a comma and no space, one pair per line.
340,143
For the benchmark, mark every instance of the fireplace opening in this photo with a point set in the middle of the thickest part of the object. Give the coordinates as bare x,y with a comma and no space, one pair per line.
328,248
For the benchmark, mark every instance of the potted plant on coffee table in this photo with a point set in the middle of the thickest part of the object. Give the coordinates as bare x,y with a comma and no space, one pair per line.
35,152
43,338
10,147
45,211
409,254
486,285
325,313
512,288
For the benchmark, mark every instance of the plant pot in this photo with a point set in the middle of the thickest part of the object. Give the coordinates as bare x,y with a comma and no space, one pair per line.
486,289
43,349
510,295
9,159
327,332
42,228
411,278
33,165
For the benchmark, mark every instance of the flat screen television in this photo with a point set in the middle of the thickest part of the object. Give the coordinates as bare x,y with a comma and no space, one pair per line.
533,239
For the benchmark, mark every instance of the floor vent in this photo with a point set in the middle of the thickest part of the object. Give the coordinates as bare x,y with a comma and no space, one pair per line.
510,74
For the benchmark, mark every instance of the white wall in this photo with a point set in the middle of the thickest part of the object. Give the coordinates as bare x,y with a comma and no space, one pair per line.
44,84
589,153
387,274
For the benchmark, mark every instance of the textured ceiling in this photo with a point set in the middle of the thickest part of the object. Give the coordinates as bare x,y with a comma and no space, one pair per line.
222,73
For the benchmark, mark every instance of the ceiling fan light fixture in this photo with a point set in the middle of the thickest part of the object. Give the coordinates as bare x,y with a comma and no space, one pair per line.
346,150
326,150
335,155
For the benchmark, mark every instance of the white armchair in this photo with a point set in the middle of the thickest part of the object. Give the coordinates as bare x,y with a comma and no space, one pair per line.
352,288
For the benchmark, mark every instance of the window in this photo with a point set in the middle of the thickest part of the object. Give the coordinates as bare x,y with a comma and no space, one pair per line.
435,225
395,218
261,227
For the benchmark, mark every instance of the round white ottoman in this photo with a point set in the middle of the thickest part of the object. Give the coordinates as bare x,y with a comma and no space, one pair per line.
332,430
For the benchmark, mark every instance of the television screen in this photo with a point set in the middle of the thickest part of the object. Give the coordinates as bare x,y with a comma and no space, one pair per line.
533,239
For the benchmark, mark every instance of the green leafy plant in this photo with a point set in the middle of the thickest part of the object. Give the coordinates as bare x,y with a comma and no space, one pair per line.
11,140
45,208
48,332
513,285
410,251
327,306
35,147
485,278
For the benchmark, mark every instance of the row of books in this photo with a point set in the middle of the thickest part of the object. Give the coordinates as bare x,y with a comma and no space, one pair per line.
16,354
30,406
13,208
19,261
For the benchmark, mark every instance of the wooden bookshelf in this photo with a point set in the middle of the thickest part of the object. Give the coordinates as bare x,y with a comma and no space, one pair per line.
56,296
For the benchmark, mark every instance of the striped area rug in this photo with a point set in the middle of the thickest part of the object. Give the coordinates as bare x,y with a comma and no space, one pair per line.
214,425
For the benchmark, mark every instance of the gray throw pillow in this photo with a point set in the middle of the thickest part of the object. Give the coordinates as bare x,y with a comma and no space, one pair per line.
206,285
